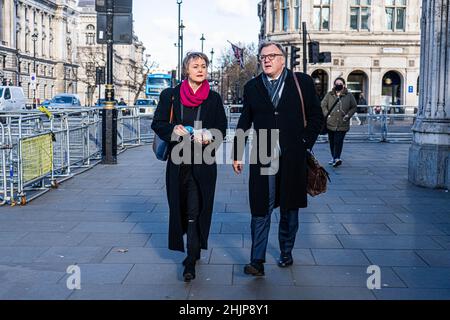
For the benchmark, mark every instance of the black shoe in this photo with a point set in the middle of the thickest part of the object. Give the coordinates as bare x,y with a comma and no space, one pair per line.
189,272
254,268
285,261
337,163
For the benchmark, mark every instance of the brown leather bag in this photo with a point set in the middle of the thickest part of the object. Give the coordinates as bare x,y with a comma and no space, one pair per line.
317,176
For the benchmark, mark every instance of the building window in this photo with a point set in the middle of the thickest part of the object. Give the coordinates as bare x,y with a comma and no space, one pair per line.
90,69
90,35
3,61
274,15
322,14
284,4
297,12
360,14
395,14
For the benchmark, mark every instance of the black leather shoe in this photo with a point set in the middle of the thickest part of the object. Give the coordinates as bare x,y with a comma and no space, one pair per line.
285,261
189,272
254,269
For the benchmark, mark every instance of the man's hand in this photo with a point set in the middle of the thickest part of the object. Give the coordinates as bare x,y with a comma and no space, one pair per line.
180,130
238,167
346,117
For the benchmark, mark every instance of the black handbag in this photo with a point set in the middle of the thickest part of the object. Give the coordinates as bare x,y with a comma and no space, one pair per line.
318,177
160,146
324,129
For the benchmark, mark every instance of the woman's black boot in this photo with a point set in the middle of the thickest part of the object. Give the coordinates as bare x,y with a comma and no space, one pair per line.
189,270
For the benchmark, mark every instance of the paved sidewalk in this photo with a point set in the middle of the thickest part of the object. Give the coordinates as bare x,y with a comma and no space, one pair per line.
112,222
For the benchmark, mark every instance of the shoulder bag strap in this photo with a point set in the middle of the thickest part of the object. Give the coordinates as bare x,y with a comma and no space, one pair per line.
301,98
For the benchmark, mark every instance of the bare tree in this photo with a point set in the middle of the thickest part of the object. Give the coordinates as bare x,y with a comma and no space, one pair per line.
137,76
233,76
91,57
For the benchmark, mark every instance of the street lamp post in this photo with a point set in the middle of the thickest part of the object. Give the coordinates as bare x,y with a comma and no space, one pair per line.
34,38
202,39
179,2
182,26
212,59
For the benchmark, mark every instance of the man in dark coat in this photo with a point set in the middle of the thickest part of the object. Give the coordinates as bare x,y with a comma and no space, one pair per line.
272,102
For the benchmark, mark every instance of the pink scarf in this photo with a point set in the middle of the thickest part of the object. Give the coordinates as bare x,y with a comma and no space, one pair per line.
191,99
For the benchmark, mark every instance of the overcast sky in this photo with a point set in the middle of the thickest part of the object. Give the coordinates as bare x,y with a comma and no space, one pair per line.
156,25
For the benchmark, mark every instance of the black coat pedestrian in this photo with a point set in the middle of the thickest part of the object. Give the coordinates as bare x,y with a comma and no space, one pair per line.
213,117
293,137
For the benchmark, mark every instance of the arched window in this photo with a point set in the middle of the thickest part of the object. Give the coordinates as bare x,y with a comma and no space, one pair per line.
90,35
284,4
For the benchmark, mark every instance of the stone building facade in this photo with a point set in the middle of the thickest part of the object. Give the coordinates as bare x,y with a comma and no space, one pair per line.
129,61
374,44
39,37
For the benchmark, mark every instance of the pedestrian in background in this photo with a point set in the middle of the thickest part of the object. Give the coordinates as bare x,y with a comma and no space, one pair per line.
190,187
341,106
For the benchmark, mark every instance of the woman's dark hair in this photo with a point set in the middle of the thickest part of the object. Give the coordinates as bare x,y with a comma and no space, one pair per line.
339,78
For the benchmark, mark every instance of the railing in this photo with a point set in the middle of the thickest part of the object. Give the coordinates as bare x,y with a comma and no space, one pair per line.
370,123
39,152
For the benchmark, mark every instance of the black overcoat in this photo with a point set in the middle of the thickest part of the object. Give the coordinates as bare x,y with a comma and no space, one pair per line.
212,116
294,139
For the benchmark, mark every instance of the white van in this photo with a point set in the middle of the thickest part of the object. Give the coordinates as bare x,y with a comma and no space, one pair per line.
11,98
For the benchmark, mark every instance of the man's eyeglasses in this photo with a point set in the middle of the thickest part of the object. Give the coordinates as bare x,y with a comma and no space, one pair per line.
271,56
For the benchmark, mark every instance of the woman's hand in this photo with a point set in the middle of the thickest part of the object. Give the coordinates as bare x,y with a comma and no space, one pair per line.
180,130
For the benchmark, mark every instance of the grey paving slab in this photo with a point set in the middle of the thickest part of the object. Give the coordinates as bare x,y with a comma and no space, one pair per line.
101,273
415,218
91,216
115,240
395,258
226,241
368,228
107,227
435,258
48,239
162,274
131,292
302,241
73,255
315,293
230,256
444,241
342,276
416,229
412,294
340,257
145,217
38,292
364,208
445,228
29,226
321,228
422,277
232,217
387,242
7,238
31,273
143,255
222,292
358,218
20,254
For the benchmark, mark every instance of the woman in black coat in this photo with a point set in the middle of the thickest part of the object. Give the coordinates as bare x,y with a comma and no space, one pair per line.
190,182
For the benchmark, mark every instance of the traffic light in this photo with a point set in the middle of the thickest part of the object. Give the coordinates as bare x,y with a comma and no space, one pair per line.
325,57
294,57
313,52
100,75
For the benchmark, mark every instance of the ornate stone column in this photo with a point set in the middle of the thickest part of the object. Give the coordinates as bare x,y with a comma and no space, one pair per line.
429,163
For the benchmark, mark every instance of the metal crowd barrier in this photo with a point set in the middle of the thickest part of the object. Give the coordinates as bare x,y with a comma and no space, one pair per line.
377,123
38,151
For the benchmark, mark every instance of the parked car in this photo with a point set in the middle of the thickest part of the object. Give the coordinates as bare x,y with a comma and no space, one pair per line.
65,101
146,106
12,98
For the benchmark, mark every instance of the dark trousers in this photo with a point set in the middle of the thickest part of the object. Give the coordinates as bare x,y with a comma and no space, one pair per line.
336,139
190,205
260,227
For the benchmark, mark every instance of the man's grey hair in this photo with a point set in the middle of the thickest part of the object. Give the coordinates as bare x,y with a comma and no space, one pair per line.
192,56
271,43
